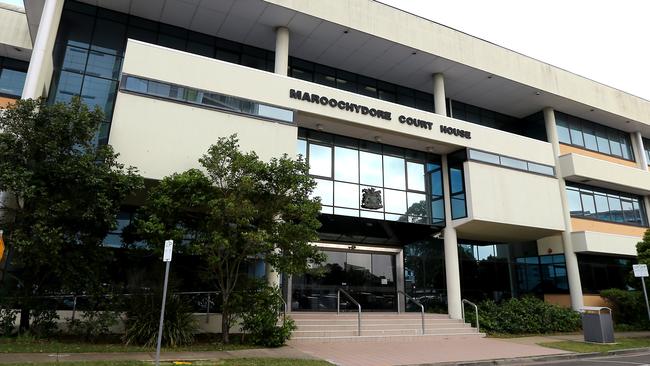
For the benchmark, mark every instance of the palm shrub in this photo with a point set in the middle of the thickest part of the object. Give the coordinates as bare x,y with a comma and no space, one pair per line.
261,318
143,318
526,315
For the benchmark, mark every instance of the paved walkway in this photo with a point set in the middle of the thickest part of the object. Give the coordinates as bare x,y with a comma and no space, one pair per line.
429,351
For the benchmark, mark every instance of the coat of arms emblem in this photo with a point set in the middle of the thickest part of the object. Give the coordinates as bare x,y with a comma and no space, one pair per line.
371,199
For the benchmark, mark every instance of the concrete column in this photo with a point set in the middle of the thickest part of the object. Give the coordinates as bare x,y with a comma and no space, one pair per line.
452,268
573,274
639,150
272,276
439,94
281,50
41,65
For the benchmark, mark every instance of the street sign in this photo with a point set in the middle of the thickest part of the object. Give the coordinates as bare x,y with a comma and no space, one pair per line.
169,246
640,270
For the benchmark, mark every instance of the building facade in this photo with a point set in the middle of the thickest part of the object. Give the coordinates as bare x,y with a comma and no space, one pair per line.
448,167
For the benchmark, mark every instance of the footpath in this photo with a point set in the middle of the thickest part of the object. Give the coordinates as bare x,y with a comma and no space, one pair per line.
447,351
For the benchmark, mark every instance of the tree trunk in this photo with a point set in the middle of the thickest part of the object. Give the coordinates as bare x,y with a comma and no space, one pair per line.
225,320
24,319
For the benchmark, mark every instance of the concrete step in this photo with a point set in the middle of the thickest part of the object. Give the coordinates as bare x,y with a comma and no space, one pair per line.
384,338
378,332
365,325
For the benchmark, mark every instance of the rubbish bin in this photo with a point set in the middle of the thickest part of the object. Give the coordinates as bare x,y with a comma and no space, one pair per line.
597,324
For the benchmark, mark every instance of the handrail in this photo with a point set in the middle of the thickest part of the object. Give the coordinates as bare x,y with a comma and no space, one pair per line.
338,307
465,301
284,308
408,297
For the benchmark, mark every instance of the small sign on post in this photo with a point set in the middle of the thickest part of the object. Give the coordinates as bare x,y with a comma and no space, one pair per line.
641,271
167,258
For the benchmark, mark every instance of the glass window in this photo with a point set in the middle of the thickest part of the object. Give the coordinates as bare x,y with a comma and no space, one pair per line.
109,37
346,164
395,201
320,160
589,133
74,59
99,92
370,166
417,204
603,141
513,163
12,82
346,195
563,131
415,176
573,198
437,211
576,133
394,172
76,29
67,85
588,206
458,209
484,156
302,148
602,207
456,180
136,84
541,169
104,65
436,183
324,189
202,49
616,208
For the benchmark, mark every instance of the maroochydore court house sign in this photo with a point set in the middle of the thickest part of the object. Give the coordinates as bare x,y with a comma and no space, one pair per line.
374,112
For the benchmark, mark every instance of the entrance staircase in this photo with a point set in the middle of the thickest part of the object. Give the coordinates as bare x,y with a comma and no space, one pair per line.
376,326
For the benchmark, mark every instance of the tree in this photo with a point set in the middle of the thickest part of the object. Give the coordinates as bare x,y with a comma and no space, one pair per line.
64,193
643,249
237,208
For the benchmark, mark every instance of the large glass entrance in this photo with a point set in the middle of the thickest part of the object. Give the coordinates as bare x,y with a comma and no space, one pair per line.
369,277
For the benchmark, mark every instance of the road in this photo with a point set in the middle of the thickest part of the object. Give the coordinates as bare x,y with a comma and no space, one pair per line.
638,359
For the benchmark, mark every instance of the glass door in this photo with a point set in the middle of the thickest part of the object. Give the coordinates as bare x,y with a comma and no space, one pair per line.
368,277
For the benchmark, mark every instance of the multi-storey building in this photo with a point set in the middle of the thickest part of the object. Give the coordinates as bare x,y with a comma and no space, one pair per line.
447,166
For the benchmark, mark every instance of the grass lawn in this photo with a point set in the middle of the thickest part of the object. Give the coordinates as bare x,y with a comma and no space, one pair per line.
230,362
582,347
31,345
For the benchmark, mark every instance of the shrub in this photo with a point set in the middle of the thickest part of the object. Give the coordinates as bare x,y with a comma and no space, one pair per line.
628,308
44,323
93,324
7,320
143,318
526,315
260,318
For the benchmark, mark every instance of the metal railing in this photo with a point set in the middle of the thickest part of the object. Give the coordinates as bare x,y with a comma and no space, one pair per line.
407,298
284,309
338,306
465,301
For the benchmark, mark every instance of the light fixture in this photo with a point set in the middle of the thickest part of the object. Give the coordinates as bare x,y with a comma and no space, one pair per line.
489,76
346,31
319,127
591,110
538,93
413,53
430,149
378,138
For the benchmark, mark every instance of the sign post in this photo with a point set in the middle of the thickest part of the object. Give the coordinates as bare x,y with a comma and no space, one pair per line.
167,258
641,270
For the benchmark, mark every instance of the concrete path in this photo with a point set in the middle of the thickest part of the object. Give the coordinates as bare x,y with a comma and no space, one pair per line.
571,337
429,351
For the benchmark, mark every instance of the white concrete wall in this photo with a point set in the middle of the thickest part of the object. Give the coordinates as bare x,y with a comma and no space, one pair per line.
401,27
512,197
605,174
163,64
595,242
161,137
13,30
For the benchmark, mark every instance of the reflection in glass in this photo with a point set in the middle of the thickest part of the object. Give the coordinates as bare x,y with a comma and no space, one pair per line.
602,207
320,160
346,195
415,176
370,168
395,201
346,212
417,204
302,148
346,164
325,191
99,92
575,206
394,172
456,180
588,206
458,209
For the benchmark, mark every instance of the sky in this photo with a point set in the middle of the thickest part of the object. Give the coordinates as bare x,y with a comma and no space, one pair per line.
604,40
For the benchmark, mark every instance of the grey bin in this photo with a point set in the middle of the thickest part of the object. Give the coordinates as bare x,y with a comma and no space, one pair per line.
597,324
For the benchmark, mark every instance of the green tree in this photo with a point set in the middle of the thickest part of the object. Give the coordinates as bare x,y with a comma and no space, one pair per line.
236,208
643,249
63,193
